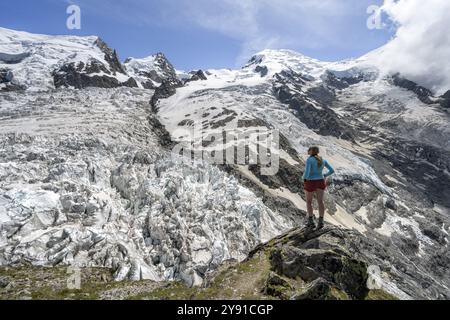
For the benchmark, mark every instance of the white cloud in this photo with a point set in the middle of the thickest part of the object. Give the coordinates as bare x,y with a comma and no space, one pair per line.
420,49
275,24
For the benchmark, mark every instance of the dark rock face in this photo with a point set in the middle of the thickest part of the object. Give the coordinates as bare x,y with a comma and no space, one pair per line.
163,135
276,286
167,68
85,74
288,176
6,78
78,76
162,71
197,76
341,82
320,117
335,259
110,56
131,83
422,93
322,257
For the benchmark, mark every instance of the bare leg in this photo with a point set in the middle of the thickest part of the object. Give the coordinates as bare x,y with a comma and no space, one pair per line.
309,199
320,194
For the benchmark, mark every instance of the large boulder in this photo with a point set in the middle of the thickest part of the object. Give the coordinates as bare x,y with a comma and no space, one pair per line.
319,289
6,81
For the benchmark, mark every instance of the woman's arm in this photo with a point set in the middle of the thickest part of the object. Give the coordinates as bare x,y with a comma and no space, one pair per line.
307,170
330,169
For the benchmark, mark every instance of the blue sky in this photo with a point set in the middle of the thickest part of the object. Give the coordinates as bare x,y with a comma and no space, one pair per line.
209,33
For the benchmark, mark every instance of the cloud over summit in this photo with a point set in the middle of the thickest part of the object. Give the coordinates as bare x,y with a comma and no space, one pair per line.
420,49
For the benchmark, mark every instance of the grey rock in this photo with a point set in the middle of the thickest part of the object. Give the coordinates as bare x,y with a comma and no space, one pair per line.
445,100
318,289
78,207
422,93
165,90
92,207
197,75
262,70
313,255
110,56
4,282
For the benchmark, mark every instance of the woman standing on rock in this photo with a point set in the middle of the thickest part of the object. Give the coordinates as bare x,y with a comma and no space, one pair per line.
315,183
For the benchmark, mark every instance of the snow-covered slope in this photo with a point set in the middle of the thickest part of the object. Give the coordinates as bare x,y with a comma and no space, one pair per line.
389,148
151,71
87,176
41,62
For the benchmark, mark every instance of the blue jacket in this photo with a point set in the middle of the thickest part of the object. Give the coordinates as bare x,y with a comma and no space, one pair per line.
313,172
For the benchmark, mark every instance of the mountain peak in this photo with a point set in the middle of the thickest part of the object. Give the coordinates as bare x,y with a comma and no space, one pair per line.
150,71
58,61
275,61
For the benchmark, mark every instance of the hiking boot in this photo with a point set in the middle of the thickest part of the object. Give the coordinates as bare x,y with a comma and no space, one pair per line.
320,223
310,223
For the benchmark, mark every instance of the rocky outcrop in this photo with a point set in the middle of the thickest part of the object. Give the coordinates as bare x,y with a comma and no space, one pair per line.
316,265
7,83
331,79
93,74
5,76
10,58
320,259
422,93
197,75
167,89
334,263
312,107
152,71
262,70
421,163
319,289
110,56
116,199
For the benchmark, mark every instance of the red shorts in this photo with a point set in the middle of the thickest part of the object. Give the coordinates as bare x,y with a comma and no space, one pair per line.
313,185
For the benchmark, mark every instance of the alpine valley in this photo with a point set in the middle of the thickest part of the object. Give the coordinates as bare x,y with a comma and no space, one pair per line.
88,178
